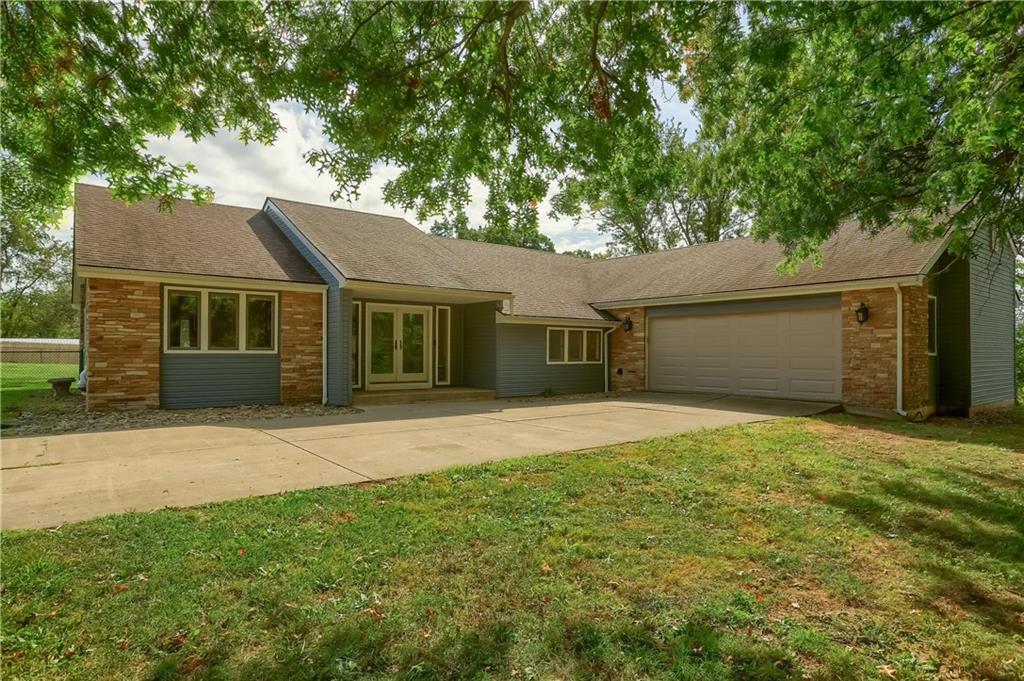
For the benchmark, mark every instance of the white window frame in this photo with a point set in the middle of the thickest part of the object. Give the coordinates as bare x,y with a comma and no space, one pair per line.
565,346
933,324
357,309
204,322
448,345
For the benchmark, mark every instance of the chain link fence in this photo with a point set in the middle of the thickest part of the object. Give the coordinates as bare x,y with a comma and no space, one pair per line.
25,372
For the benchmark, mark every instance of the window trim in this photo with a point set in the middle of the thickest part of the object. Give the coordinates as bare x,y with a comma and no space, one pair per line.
357,309
448,345
565,345
204,324
933,324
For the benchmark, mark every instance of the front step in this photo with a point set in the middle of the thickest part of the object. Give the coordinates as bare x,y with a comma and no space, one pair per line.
363,398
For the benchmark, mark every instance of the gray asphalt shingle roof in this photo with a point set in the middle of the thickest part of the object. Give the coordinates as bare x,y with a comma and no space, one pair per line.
737,265
209,239
368,247
385,249
218,240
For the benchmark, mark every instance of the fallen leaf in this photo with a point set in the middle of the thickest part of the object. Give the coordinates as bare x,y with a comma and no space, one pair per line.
343,517
120,587
122,645
759,597
241,552
426,633
376,614
177,641
545,568
887,670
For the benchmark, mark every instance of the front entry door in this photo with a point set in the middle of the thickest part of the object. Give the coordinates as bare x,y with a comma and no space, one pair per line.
398,345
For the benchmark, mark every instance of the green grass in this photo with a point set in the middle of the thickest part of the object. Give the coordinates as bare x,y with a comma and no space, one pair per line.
23,387
835,548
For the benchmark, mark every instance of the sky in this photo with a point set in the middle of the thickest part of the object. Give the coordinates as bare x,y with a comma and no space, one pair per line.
243,175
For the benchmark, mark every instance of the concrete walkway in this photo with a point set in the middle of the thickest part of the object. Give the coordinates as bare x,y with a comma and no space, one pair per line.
50,480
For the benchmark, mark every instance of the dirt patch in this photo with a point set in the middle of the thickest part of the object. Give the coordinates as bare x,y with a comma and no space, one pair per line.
69,416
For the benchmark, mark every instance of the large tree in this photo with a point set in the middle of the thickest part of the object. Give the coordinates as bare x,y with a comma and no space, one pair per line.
679,196
889,112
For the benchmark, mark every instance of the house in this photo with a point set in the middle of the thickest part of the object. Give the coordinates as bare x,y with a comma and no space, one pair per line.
220,305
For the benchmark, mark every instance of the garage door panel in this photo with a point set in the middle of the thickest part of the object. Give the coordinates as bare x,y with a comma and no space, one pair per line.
792,354
804,362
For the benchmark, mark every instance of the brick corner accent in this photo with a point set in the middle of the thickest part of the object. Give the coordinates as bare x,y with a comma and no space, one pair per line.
627,358
302,332
869,349
122,344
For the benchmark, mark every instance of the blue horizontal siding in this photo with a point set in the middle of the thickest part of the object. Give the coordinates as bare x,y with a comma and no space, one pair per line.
523,369
478,345
992,302
219,380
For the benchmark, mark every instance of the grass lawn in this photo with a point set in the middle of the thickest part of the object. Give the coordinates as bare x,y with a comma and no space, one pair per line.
833,548
23,387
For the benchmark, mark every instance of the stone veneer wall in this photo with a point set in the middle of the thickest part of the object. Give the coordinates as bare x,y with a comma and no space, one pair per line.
869,350
122,344
629,351
301,346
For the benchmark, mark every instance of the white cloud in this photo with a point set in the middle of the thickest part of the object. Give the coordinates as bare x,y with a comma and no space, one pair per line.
243,175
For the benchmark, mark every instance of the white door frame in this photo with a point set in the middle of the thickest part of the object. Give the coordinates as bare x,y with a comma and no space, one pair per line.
428,336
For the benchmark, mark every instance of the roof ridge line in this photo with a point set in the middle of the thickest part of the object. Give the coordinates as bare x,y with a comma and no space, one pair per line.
347,210
677,248
192,201
518,248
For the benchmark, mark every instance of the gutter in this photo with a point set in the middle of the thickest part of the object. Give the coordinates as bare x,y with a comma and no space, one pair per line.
790,290
323,343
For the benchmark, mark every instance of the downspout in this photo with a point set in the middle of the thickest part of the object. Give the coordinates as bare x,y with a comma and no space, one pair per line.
899,350
607,351
323,343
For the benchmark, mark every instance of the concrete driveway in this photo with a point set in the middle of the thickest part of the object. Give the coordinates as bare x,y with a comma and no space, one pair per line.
50,480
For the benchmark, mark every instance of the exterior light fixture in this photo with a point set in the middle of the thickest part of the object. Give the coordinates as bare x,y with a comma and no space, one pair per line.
627,324
862,313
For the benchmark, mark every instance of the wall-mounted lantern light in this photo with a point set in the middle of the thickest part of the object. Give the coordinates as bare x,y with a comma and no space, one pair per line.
627,324
862,313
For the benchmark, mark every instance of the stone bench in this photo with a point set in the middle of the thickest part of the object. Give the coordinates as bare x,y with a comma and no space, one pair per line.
61,386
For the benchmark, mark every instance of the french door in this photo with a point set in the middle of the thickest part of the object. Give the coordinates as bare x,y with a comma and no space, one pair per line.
398,339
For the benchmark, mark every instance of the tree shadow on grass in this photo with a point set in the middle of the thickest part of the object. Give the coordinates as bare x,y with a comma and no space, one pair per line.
581,648
1002,611
983,525
1006,432
989,522
357,649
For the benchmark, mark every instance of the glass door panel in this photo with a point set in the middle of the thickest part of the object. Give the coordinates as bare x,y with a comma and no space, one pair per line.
383,346
413,348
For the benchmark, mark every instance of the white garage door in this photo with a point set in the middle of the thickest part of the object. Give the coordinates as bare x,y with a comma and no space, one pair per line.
794,354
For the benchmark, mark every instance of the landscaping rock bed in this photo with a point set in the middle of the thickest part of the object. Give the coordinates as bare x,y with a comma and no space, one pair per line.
69,416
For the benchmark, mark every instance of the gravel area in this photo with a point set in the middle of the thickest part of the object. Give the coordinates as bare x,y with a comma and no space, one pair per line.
69,416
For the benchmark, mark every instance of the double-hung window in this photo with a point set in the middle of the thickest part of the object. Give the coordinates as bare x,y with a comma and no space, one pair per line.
214,320
574,346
